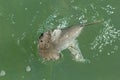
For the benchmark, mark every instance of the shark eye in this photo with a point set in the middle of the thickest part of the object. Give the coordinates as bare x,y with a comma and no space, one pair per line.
41,40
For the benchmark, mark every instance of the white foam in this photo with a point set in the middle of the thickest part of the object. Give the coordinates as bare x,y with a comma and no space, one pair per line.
109,9
92,6
28,68
82,17
2,73
34,42
63,23
12,18
18,41
43,79
23,77
40,3
26,9
13,35
75,7
107,37
72,1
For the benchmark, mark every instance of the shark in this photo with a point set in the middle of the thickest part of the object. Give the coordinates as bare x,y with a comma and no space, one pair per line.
51,43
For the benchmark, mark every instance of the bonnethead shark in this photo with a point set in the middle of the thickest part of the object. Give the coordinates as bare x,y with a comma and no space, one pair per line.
52,43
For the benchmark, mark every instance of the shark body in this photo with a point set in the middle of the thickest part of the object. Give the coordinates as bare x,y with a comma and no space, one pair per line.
52,43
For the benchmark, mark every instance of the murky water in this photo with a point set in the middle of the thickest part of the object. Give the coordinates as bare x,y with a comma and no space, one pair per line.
22,21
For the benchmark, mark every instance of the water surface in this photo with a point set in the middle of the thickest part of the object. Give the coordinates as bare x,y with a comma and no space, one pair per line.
22,21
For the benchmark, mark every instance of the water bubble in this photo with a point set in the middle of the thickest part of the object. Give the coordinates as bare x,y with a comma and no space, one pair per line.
28,68
112,52
37,12
18,42
82,17
13,22
92,6
107,37
40,3
63,23
55,15
71,16
23,77
12,18
109,9
43,79
109,6
49,22
72,1
75,7
13,35
115,47
96,54
100,50
2,73
34,42
108,53
26,9
31,24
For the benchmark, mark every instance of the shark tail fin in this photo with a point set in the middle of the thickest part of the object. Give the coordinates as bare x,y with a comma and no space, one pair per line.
92,23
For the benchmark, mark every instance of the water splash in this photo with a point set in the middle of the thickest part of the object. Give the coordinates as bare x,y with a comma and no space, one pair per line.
82,19
62,23
48,23
109,9
107,38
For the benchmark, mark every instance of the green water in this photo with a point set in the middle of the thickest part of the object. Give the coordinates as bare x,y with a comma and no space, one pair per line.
22,21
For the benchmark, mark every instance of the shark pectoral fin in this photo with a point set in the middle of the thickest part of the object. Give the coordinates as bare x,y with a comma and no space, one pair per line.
75,51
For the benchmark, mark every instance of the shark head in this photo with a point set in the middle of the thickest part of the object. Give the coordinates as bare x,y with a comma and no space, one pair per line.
46,47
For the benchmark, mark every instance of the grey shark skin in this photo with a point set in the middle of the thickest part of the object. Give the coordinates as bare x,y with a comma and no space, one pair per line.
52,43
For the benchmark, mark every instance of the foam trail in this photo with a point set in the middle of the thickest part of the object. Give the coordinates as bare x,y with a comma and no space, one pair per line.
107,37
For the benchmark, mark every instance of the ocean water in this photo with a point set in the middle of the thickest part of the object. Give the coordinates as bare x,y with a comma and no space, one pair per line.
22,21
